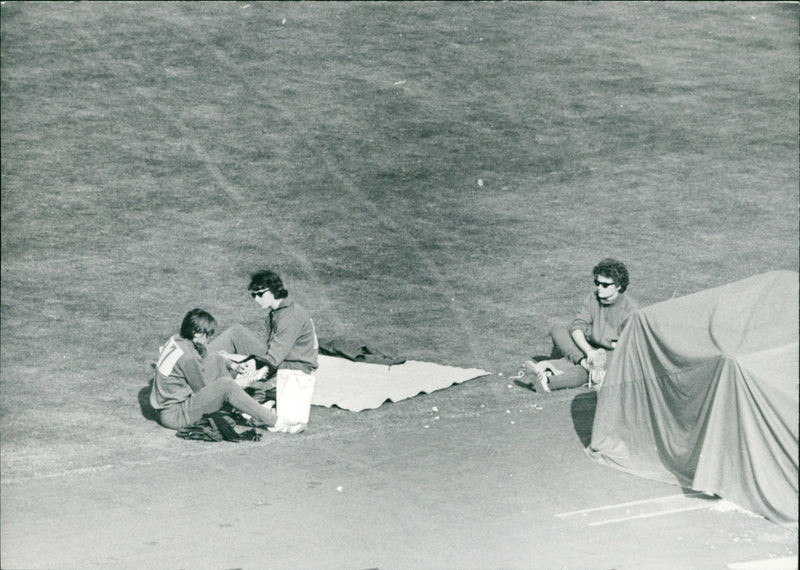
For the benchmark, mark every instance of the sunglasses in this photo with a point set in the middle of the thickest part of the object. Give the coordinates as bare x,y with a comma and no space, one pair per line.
255,294
602,284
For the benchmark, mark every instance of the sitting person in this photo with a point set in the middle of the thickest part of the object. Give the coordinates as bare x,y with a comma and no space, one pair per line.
289,353
581,348
181,395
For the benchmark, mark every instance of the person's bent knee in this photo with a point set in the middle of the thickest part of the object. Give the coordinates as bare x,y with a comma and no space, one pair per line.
238,327
228,384
233,331
556,325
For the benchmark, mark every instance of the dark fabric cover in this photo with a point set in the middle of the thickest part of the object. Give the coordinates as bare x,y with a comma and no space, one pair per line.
359,352
702,391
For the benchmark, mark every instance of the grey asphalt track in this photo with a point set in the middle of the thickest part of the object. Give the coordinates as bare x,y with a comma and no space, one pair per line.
453,488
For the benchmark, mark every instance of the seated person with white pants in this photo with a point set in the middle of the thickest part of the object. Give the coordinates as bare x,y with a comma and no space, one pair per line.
290,351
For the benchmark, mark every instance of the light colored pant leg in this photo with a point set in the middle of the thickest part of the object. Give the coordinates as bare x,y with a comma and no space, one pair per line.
236,340
562,341
294,390
210,398
574,375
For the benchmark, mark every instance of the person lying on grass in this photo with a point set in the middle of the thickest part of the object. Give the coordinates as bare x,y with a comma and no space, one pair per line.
289,354
583,347
182,394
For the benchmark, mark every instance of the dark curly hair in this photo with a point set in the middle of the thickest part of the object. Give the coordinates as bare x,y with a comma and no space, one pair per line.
266,279
615,270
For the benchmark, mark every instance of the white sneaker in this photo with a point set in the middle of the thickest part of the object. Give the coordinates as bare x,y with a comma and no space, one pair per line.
597,369
539,377
284,426
244,380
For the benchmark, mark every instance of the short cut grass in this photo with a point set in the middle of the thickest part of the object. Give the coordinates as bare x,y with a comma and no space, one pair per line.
435,176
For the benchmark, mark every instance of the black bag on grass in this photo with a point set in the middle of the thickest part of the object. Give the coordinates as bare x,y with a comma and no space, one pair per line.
217,426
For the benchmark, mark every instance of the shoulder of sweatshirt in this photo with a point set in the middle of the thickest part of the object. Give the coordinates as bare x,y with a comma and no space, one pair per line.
631,302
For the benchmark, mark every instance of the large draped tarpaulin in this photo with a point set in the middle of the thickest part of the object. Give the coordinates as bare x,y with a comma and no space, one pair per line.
702,391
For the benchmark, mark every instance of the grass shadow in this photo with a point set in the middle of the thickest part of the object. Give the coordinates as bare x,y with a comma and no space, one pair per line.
148,412
582,410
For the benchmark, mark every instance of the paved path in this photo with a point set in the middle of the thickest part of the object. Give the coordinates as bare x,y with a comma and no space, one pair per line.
491,489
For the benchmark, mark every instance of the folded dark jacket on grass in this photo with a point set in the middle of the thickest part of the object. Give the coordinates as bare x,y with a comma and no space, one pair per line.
359,352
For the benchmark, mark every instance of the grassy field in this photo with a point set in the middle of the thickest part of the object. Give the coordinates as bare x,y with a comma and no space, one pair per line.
437,177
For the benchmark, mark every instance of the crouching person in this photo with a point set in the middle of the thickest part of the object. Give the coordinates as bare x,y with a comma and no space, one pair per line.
290,351
181,394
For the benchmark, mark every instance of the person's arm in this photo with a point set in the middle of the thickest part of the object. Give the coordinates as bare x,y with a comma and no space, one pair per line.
194,374
287,331
584,319
581,324
583,344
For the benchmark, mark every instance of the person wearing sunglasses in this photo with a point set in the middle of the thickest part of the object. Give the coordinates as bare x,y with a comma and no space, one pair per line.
581,348
289,353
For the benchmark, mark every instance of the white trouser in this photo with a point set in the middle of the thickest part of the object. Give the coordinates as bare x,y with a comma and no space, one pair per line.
294,389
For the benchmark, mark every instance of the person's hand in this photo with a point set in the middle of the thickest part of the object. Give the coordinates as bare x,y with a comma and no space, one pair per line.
235,367
590,356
